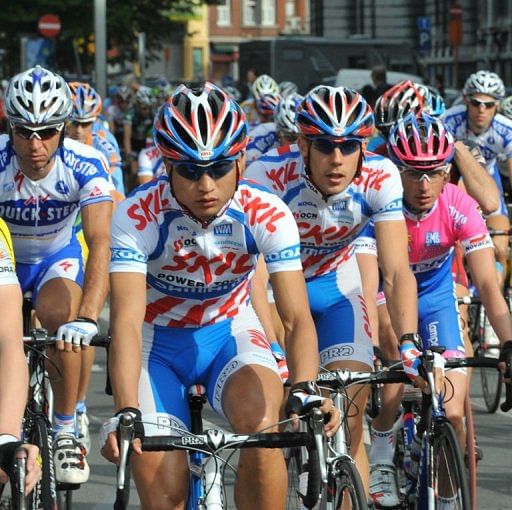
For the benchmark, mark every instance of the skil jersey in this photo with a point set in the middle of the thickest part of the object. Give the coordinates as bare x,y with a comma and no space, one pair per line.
328,226
40,214
198,275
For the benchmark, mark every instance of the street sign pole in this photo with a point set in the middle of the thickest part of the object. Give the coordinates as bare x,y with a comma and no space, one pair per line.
100,39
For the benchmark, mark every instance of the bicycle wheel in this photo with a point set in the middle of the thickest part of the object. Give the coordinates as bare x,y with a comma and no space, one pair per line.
304,482
348,486
491,380
449,482
44,495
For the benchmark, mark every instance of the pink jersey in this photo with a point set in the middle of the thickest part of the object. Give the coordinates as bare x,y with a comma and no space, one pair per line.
455,217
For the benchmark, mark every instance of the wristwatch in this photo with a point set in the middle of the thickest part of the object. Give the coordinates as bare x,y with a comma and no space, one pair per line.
412,337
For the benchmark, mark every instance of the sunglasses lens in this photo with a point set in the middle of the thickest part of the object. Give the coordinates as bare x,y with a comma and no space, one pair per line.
42,134
194,172
486,104
326,146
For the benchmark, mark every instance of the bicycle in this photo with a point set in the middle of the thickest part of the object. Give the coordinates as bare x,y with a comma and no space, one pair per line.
207,467
47,494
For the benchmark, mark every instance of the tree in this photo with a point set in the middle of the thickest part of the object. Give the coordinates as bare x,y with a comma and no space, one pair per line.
125,19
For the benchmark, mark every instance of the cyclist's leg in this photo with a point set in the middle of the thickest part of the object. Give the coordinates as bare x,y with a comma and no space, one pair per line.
246,371
337,299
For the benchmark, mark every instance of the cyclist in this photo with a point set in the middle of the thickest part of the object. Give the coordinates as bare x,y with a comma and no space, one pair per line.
284,118
478,120
46,181
334,188
117,111
150,164
263,136
13,367
288,87
262,85
438,216
86,109
184,248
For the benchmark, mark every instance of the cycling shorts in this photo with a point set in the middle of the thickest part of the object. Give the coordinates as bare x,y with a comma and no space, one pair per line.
173,359
66,263
340,315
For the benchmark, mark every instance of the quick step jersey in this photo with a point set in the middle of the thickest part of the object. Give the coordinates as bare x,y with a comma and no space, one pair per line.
328,226
40,214
200,275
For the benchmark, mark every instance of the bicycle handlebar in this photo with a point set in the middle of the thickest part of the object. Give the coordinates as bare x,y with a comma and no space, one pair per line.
214,440
39,337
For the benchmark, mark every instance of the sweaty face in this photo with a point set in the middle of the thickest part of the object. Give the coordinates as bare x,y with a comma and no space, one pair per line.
204,191
333,164
35,148
481,110
421,190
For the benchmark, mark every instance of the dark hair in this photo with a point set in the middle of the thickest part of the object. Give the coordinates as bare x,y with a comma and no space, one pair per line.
379,74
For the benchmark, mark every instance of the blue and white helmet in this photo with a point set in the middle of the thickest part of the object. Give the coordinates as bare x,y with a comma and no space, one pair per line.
286,113
484,82
37,96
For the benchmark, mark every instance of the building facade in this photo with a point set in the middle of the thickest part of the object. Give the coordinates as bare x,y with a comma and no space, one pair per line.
482,29
240,20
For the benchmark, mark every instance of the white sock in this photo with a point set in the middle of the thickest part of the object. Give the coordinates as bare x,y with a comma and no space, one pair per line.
383,446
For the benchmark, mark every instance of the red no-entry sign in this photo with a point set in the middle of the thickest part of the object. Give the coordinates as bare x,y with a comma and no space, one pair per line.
49,25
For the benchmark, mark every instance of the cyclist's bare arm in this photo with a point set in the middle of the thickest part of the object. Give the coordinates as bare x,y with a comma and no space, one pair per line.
14,378
301,341
127,310
399,282
96,220
259,299
477,181
13,365
482,267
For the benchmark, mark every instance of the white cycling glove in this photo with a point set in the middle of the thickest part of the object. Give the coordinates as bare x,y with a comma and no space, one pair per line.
78,332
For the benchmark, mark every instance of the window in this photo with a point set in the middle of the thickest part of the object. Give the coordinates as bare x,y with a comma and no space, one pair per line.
268,12
249,12
224,14
289,9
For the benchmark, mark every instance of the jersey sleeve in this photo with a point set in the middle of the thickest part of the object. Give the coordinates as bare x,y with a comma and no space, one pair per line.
144,166
386,193
7,264
470,225
130,244
274,229
95,182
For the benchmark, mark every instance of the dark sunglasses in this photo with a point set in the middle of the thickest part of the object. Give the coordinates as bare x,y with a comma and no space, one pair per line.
327,146
194,172
40,134
477,103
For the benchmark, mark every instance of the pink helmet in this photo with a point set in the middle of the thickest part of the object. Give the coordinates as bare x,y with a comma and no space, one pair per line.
421,142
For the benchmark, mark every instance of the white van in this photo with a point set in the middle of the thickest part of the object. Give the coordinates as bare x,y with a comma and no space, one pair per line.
358,78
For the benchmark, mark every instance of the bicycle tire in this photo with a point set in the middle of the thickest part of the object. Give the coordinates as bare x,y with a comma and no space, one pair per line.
44,495
471,460
304,482
449,476
347,483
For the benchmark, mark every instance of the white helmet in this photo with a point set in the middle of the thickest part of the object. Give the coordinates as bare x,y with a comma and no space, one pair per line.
37,96
286,111
506,107
288,87
144,96
264,85
484,82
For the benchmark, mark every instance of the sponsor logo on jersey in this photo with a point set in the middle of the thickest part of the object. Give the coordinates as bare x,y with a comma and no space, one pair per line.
458,218
205,269
8,187
305,215
293,252
318,236
303,204
147,208
226,229
259,211
96,192
339,205
184,243
371,178
432,239
18,179
283,175
125,254
23,212
433,338
181,227
62,187
78,165
336,352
